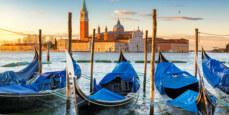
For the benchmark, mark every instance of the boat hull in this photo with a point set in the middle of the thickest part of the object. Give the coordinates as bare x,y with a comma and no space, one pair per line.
31,102
173,93
86,107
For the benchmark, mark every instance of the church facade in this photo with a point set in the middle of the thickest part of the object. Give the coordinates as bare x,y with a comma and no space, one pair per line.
107,41
117,39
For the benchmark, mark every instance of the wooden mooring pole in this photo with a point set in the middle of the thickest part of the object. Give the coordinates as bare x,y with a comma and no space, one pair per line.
70,52
69,49
197,70
196,51
153,62
92,60
145,61
40,51
70,33
48,55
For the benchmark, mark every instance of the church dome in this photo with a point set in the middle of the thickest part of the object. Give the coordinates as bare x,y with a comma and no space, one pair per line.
118,27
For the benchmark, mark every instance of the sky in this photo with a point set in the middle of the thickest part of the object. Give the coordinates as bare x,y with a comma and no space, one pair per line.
175,17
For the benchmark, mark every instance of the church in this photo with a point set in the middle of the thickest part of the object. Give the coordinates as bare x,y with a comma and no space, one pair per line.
107,41
118,39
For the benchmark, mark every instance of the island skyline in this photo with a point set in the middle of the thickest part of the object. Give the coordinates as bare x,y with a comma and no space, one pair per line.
175,16
177,19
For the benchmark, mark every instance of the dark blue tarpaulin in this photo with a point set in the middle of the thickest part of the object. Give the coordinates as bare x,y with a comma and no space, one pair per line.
106,95
53,80
216,73
49,81
31,69
169,76
16,89
186,101
45,81
126,72
13,78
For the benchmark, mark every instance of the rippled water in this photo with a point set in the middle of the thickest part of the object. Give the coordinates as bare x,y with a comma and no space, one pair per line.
100,69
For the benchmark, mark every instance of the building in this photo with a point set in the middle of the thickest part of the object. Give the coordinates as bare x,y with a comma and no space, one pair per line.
84,23
107,41
170,45
17,47
112,40
118,38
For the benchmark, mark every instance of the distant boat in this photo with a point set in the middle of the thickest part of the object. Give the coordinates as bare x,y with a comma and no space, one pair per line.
182,89
116,89
46,90
216,73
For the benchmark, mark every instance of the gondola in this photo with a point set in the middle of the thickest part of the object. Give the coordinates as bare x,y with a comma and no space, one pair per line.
183,90
116,89
216,73
45,91
20,77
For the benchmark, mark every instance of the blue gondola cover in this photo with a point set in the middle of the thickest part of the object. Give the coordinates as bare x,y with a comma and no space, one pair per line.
53,80
49,81
126,72
13,78
16,89
216,73
169,76
186,101
106,95
45,81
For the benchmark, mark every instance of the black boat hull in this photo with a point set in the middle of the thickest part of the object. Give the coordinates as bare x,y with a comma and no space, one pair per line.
173,93
22,103
86,108
211,104
85,104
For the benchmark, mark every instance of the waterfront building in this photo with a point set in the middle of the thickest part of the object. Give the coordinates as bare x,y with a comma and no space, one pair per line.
17,47
170,45
107,41
112,40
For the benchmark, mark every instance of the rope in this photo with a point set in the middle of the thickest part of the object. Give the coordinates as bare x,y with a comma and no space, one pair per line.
39,94
10,31
137,99
85,76
222,103
25,34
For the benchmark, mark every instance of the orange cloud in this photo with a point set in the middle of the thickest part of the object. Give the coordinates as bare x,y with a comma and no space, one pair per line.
178,18
124,13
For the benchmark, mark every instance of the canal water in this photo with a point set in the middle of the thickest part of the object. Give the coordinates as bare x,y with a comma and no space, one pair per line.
141,106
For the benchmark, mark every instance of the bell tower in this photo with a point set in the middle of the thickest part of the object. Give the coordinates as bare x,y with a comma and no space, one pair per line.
84,29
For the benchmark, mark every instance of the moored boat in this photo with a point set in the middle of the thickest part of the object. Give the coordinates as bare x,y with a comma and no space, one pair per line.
22,76
183,90
116,89
216,73
45,91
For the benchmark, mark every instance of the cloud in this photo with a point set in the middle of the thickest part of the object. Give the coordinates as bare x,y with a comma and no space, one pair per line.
129,19
179,18
173,18
131,16
124,13
146,14
115,0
